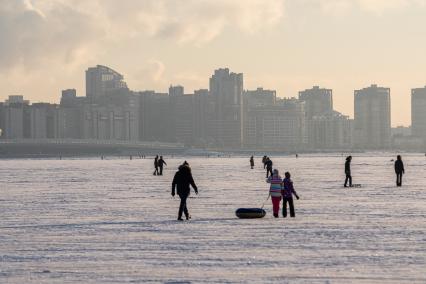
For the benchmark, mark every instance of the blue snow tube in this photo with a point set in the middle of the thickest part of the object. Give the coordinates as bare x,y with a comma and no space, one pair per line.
250,213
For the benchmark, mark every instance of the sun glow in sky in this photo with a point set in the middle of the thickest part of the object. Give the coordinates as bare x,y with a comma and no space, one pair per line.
286,45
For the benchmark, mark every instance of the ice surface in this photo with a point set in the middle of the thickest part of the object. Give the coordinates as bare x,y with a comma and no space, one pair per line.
112,221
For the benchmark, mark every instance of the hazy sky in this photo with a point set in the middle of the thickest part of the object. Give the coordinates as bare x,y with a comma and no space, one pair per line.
287,45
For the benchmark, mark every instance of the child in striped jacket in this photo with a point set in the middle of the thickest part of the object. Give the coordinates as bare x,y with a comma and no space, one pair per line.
275,191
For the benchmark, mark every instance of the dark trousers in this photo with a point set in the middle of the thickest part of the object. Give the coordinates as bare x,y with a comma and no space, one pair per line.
268,171
182,206
161,171
348,178
290,204
156,171
398,179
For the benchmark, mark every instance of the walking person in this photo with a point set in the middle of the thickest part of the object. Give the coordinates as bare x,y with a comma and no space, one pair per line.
287,193
268,167
399,170
275,191
181,181
156,166
264,161
161,164
251,162
348,171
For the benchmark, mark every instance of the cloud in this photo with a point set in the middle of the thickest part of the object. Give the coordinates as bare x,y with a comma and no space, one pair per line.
377,7
36,32
31,36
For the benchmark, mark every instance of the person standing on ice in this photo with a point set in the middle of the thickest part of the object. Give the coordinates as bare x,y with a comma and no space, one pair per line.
275,191
251,162
348,171
268,167
181,181
287,193
156,166
399,170
264,161
161,164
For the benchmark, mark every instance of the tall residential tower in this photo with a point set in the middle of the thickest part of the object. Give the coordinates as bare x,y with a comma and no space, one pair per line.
372,118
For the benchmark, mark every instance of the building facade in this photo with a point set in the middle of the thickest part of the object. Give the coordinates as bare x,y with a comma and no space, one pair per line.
226,121
418,113
101,80
372,118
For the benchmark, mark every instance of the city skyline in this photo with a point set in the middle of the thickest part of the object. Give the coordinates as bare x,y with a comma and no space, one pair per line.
224,116
286,46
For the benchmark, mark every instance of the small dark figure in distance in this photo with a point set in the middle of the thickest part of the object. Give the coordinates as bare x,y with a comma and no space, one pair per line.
264,161
399,170
156,166
182,180
348,171
288,192
251,162
268,167
161,164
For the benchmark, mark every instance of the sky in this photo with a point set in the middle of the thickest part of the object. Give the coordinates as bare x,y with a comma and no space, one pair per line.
285,45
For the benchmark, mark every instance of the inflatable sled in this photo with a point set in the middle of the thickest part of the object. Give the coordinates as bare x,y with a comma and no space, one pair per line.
249,213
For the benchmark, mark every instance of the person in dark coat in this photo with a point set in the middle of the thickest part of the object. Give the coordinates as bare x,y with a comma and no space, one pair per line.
156,166
348,171
268,167
181,181
264,161
251,162
161,164
399,170
287,193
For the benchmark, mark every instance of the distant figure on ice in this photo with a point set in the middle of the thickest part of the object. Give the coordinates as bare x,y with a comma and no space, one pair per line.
251,162
264,161
156,166
399,170
161,164
288,192
268,167
182,180
275,191
348,171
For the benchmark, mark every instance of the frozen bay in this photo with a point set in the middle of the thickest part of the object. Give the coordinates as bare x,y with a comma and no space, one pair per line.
112,221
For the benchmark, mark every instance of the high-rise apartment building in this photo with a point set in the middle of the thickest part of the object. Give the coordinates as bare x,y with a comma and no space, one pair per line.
372,118
226,124
317,101
259,97
101,80
279,127
418,112
330,131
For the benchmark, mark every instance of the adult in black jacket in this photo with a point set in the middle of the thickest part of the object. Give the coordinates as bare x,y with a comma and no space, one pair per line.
348,171
156,172
161,164
268,167
399,170
182,180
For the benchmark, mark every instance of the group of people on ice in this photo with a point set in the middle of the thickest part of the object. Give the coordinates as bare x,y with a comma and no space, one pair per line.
159,165
267,163
398,167
281,189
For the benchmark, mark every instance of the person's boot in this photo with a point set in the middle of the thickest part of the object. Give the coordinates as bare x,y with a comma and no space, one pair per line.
188,217
276,215
179,219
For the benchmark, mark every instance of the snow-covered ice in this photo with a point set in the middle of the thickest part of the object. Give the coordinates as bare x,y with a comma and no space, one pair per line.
112,221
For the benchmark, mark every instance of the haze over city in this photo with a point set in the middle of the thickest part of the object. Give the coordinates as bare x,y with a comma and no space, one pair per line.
287,46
